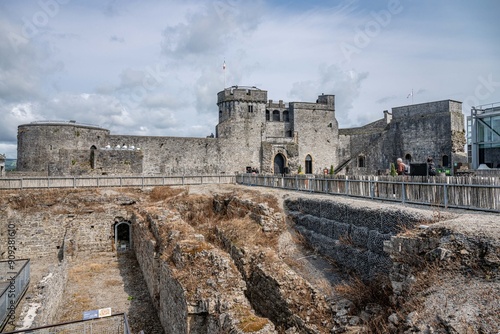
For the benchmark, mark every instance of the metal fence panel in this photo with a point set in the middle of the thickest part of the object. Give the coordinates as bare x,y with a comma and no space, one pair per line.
12,293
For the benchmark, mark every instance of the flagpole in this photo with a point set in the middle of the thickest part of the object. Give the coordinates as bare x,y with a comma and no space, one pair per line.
224,69
412,96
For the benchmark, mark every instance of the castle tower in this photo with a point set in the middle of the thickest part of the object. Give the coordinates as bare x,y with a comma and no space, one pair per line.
241,121
239,105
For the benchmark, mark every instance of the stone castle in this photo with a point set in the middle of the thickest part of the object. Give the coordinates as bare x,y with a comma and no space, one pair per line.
253,134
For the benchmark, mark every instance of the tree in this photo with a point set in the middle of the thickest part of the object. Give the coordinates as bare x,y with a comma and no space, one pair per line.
331,169
393,170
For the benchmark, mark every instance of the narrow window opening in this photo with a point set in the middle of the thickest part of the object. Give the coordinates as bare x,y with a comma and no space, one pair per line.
308,164
361,161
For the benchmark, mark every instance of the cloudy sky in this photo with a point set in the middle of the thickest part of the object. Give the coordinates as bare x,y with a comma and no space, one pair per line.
154,67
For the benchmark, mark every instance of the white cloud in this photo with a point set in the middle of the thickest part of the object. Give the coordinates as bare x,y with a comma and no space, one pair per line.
345,84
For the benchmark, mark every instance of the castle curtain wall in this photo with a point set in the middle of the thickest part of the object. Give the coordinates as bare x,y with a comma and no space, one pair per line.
174,155
38,144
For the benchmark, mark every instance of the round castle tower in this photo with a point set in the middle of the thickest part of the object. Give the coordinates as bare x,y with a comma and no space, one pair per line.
43,143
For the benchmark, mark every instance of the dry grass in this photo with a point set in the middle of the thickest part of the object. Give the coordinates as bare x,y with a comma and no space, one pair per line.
361,294
406,231
232,219
85,272
79,302
58,201
244,231
346,239
163,193
251,323
270,200
112,282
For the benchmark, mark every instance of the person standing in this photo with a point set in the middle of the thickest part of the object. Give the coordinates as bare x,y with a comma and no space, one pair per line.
401,167
431,168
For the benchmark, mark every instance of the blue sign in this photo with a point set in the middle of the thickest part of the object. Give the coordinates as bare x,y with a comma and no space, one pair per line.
90,314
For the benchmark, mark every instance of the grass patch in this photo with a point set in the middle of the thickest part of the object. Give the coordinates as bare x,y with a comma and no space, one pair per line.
163,193
361,294
252,323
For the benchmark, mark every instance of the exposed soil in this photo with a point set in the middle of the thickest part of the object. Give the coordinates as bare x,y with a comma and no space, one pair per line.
109,280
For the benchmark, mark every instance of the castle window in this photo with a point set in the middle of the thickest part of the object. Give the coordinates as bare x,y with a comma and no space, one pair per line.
268,117
276,116
361,161
250,108
288,133
308,164
446,162
286,117
93,148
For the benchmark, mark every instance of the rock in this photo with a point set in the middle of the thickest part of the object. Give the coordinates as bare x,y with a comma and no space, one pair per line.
354,321
342,312
365,316
373,308
492,259
411,318
394,319
439,253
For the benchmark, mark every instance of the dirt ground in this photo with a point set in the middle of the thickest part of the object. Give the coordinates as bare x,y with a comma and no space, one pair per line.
106,279
109,280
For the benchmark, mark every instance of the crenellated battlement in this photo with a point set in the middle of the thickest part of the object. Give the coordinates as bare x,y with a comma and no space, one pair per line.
242,93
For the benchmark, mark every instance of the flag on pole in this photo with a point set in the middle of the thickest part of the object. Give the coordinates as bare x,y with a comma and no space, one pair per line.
411,94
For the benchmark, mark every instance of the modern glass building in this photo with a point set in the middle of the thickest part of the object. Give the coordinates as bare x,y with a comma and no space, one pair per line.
483,136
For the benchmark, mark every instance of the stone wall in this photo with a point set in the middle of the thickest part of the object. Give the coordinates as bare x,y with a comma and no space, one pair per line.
317,131
39,143
44,234
50,292
194,286
175,155
352,236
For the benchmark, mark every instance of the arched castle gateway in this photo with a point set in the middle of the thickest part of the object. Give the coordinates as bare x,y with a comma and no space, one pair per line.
253,134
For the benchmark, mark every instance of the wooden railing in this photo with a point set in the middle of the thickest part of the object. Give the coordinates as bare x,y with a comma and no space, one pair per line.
475,193
112,181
